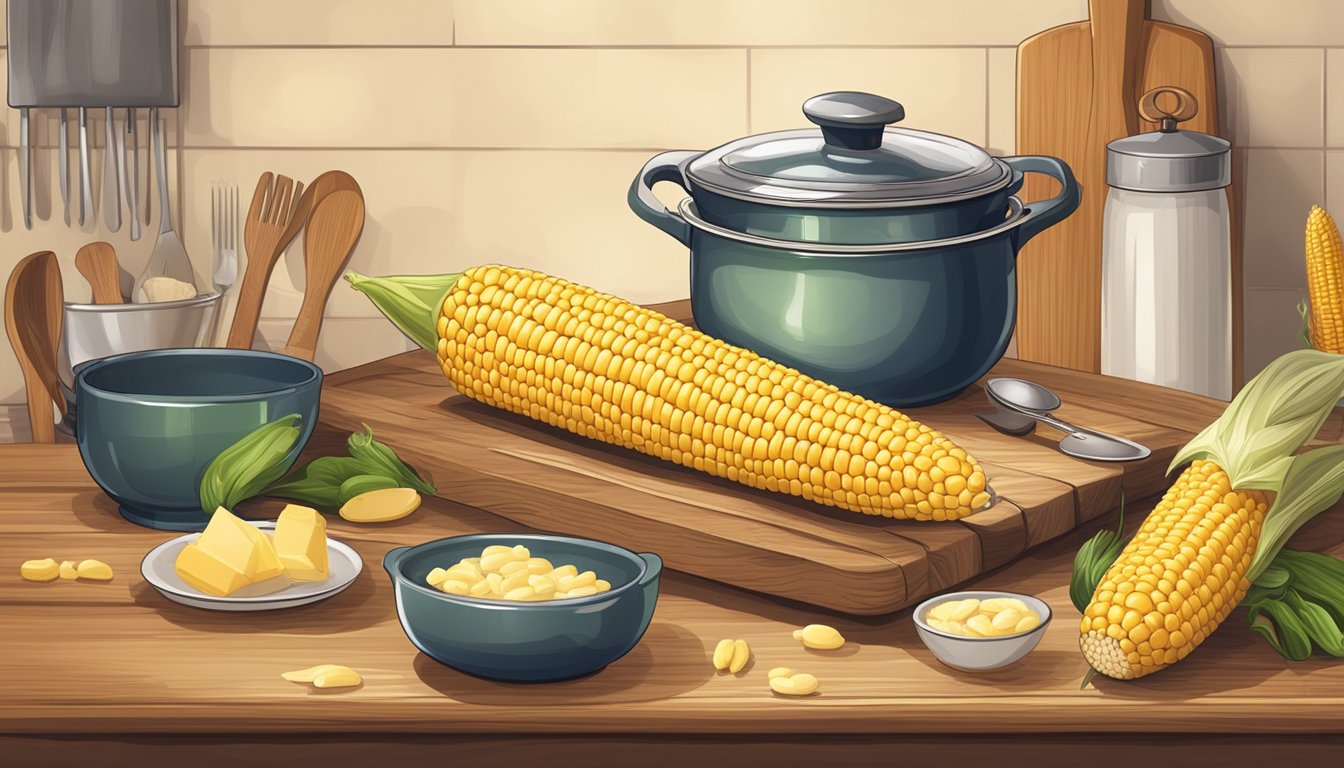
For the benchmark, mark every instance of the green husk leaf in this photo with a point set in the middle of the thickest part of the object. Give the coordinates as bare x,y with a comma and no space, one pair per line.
1304,335
1313,483
1319,625
381,460
1317,577
1270,419
319,482
245,468
358,484
1094,558
1279,624
411,302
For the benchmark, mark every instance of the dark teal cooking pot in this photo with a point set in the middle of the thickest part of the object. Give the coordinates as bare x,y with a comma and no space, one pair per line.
908,321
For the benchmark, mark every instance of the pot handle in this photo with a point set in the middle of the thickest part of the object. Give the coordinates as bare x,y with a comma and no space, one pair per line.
666,166
653,566
392,560
1044,214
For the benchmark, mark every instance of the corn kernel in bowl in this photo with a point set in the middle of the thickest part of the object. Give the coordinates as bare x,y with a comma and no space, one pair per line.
512,573
992,617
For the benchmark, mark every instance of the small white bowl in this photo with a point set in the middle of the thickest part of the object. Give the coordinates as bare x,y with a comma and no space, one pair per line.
974,654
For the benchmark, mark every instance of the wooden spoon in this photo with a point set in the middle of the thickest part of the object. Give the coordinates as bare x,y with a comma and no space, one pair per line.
320,187
97,262
330,238
33,315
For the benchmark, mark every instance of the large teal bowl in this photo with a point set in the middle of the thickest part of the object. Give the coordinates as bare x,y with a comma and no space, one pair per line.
151,422
520,642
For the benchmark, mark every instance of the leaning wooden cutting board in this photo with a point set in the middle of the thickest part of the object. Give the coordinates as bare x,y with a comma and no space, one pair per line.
1078,87
551,480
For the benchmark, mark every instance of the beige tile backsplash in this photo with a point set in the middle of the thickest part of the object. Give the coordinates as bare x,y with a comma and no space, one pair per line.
509,130
942,89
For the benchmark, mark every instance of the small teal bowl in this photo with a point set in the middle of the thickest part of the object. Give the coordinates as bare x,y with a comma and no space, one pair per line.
151,422
518,642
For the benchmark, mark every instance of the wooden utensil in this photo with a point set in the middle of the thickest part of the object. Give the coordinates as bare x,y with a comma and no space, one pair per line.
1077,90
331,235
33,312
323,185
266,234
97,262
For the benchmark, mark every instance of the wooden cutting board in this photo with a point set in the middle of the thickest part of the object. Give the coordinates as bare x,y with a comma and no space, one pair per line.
550,480
1078,87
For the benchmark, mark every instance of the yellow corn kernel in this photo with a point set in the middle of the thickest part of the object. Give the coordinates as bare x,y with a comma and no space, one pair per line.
778,672
690,397
1325,282
797,684
325,676
723,654
40,570
69,570
94,570
381,506
1139,631
741,654
819,637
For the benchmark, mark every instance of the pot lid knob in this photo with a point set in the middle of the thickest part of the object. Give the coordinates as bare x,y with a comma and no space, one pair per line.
851,119
1186,107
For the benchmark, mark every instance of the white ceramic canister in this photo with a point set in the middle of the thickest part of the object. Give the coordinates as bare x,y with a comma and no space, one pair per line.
1166,295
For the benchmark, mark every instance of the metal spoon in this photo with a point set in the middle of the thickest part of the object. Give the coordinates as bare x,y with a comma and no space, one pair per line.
1027,400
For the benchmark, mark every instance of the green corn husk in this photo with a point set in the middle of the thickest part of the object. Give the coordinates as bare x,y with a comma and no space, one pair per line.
382,461
1094,558
1282,628
319,482
243,469
411,302
1304,335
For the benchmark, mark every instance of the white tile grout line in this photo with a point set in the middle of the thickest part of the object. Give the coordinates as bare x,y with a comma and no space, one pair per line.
749,125
987,99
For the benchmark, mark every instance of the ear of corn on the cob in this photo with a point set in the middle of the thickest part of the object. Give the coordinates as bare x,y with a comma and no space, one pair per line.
1197,553
604,368
1325,282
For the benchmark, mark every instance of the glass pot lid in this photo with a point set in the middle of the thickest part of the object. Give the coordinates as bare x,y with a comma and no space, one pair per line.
853,161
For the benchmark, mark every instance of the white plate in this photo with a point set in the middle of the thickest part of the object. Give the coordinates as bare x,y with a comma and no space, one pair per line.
158,570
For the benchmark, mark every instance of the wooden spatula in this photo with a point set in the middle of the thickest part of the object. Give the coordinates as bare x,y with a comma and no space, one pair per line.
97,262
330,238
33,312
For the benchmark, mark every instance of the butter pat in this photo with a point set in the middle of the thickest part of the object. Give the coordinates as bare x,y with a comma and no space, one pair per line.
229,555
301,543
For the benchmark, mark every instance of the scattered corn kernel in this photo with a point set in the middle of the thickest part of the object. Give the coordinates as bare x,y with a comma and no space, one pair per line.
778,672
799,684
68,570
96,570
40,570
381,506
994,617
741,654
512,573
723,654
819,637
325,676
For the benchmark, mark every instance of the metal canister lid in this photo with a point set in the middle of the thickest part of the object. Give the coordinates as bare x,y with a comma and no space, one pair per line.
1169,159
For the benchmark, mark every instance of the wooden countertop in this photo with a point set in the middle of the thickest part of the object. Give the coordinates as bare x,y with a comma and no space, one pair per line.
118,669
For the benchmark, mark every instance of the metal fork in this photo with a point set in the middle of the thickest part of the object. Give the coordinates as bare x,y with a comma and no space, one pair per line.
224,234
